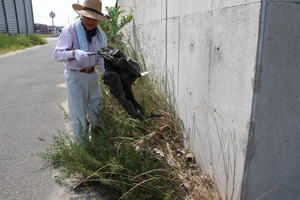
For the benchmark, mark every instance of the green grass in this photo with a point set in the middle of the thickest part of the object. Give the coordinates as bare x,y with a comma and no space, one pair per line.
122,154
47,35
18,42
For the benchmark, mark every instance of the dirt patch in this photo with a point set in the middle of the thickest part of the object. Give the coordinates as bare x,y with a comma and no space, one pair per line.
70,190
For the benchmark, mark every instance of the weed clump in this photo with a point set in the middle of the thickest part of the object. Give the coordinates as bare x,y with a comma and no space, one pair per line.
124,153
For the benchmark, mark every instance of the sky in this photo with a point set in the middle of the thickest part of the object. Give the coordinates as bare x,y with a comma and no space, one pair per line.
64,13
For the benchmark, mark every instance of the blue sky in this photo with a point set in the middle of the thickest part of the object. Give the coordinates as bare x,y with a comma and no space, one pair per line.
64,13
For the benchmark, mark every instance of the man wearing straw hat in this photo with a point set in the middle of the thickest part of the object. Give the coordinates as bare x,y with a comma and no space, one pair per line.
75,43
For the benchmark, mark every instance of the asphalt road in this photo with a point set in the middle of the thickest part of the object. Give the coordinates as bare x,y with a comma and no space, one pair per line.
31,90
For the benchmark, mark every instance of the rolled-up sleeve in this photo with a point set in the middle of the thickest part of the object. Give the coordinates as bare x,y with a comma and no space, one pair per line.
64,47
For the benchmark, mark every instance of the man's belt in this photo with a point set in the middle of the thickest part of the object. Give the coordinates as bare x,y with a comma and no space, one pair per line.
88,71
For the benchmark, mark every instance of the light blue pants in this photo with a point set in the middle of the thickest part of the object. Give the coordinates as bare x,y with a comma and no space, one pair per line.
83,100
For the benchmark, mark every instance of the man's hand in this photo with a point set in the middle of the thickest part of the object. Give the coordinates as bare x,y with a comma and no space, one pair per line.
81,55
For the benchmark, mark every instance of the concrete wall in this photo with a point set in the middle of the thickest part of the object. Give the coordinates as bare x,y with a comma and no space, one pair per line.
211,53
273,161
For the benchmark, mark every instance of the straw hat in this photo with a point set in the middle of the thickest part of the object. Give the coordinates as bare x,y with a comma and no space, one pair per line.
91,9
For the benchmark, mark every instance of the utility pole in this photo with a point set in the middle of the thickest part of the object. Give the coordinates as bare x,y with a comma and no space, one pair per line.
52,15
78,3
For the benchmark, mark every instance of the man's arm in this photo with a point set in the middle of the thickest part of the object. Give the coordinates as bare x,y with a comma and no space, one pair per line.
63,50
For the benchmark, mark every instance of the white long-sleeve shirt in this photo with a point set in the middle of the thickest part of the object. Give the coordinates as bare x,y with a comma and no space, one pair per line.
68,42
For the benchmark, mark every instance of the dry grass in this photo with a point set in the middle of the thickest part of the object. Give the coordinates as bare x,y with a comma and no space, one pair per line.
194,182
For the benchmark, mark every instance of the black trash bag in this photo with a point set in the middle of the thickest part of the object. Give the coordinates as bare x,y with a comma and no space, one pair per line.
120,73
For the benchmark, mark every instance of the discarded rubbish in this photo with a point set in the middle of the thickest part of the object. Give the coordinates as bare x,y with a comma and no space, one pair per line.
190,157
163,155
144,73
138,148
